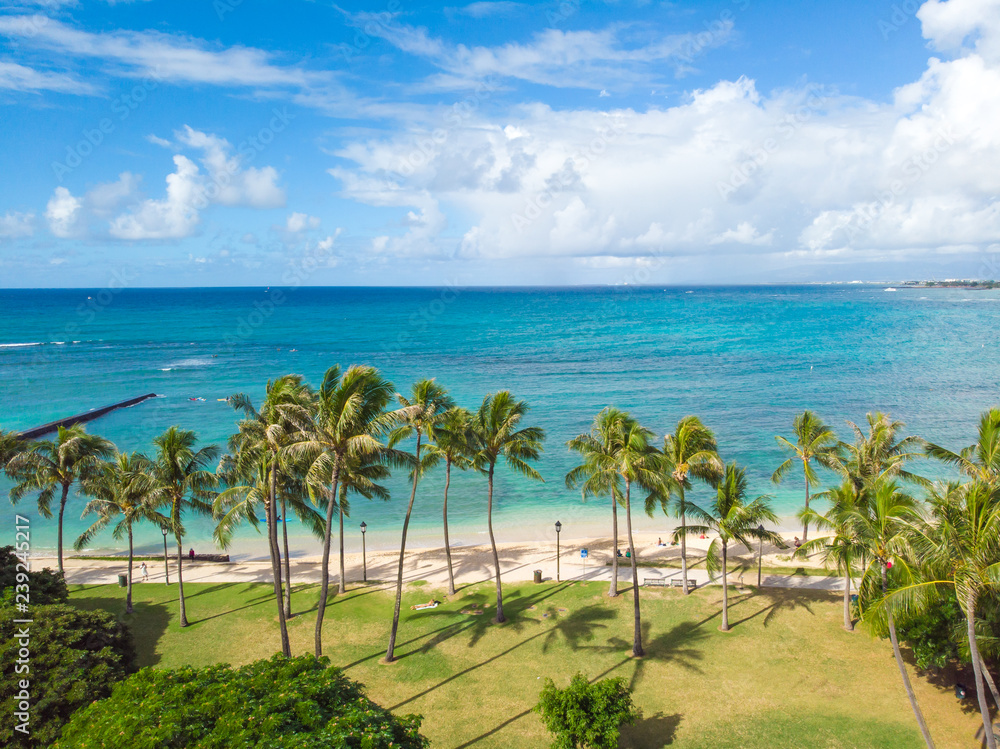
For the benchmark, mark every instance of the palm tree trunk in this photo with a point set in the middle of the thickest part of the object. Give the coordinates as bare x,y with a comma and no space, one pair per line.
637,651
128,595
342,584
902,670
288,564
613,590
62,510
493,542
447,546
848,619
684,562
180,580
805,523
984,709
725,588
988,678
324,583
390,655
272,539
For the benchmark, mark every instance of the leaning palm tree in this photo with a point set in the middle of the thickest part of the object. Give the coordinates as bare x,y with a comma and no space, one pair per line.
453,444
497,432
689,452
598,476
349,418
980,461
814,441
261,437
960,548
885,525
184,483
123,489
841,547
733,517
422,412
51,465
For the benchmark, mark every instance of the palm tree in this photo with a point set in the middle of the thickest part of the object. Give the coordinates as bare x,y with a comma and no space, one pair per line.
841,547
261,438
980,461
57,464
733,518
10,445
884,525
497,432
598,476
690,451
359,475
453,444
422,412
814,441
959,548
880,454
184,482
348,419
123,490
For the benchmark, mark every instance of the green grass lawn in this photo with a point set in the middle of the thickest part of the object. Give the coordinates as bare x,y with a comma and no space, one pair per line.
787,675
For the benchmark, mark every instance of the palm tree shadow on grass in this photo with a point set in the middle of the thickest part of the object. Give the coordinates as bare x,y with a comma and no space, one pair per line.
779,599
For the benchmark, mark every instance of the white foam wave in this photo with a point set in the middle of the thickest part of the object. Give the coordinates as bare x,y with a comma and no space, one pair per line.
18,345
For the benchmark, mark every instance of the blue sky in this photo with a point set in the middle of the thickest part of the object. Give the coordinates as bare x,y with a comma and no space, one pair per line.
233,142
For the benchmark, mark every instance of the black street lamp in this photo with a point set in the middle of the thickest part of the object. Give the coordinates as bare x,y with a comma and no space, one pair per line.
166,564
364,561
760,549
558,529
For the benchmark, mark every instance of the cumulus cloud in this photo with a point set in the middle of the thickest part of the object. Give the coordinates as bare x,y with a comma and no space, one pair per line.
14,225
804,173
298,222
63,213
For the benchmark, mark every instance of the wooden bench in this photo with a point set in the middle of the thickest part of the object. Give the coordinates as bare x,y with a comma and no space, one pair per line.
658,582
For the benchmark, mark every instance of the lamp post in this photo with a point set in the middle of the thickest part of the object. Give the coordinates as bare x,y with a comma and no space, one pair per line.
166,564
760,550
558,529
364,561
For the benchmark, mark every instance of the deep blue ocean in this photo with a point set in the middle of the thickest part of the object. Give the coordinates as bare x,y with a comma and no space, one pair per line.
745,359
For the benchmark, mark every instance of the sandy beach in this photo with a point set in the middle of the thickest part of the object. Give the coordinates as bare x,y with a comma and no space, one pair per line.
471,564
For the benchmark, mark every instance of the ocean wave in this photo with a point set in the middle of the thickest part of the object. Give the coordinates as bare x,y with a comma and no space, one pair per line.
19,345
190,363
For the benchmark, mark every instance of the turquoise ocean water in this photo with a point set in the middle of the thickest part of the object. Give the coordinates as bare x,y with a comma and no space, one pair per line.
745,359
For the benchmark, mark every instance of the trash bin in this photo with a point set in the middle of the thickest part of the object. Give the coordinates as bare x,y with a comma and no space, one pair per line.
123,581
538,576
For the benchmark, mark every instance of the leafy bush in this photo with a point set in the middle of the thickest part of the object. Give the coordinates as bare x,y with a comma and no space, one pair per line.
75,657
45,586
586,715
279,703
931,633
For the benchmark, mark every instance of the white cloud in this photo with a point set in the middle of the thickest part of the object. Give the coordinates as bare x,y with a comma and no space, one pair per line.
14,225
16,77
488,9
63,213
298,222
158,141
744,233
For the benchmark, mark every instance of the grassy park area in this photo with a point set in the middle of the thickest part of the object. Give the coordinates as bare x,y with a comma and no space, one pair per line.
786,675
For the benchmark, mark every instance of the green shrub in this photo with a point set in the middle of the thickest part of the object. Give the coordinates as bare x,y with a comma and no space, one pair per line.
44,586
586,715
280,703
75,657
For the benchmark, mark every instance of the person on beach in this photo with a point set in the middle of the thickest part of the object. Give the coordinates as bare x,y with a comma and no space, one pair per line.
144,571
191,553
